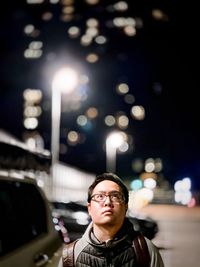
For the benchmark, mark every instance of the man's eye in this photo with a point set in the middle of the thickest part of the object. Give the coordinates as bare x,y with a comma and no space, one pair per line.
100,196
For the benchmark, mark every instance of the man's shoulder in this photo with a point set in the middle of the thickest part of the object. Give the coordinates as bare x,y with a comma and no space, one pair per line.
154,253
151,246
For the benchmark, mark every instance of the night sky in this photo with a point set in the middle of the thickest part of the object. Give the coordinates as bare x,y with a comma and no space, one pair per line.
160,65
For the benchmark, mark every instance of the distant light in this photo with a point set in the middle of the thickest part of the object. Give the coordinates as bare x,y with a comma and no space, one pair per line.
186,183
119,22
110,120
192,203
122,88
35,33
92,2
30,53
32,95
183,185
66,17
73,32
92,22
148,194
138,112
123,121
129,99
86,40
136,184
68,10
32,111
92,32
182,188
121,6
183,197
92,112
28,29
81,217
130,30
115,139
149,183
159,15
40,183
146,175
158,165
137,165
149,165
130,22
65,80
35,45
31,142
92,58
54,1
30,123
141,198
34,1
124,147
47,16
82,120
100,39
35,141
73,137
177,185
84,79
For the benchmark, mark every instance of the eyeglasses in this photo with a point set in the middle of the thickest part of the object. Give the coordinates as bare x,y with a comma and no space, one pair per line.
114,197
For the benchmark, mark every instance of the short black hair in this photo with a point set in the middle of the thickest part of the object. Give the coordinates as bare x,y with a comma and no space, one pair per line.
111,177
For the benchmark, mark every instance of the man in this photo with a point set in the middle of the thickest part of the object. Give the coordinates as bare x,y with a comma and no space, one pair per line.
108,240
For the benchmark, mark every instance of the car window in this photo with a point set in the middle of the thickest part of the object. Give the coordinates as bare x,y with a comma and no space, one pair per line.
23,214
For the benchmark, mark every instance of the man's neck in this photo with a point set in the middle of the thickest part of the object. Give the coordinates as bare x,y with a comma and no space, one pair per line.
104,233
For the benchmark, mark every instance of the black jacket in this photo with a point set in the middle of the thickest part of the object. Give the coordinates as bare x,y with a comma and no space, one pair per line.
117,252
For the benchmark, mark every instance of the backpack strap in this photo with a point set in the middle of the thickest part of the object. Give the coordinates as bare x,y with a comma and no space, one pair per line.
141,250
68,254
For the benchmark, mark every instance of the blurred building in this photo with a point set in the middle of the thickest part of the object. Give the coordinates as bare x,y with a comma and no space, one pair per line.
17,157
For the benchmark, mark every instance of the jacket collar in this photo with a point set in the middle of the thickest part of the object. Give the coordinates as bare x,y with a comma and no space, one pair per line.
125,233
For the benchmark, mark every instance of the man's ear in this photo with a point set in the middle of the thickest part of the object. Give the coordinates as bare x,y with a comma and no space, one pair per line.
88,206
126,206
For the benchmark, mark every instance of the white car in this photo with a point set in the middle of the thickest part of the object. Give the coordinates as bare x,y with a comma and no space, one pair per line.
28,235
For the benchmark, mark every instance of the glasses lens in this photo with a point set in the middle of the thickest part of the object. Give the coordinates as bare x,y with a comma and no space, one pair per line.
115,197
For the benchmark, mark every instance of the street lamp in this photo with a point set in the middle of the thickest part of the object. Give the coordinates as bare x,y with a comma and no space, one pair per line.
113,142
65,80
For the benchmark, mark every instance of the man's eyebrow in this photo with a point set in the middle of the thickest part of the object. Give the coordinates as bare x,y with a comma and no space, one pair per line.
100,192
106,192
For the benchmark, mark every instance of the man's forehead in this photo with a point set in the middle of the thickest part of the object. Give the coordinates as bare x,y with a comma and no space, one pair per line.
105,183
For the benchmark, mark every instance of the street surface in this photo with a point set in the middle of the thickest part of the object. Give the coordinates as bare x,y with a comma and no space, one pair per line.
179,234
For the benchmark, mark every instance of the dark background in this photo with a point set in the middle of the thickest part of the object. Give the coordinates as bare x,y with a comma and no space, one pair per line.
160,64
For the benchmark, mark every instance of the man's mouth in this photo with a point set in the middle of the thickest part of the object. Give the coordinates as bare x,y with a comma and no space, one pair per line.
107,211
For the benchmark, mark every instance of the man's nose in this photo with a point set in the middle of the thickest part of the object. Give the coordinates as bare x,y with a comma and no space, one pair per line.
108,200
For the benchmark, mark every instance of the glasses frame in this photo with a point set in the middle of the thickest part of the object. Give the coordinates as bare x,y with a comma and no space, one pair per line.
110,195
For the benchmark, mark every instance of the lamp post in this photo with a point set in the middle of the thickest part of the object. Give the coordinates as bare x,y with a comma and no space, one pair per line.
64,80
113,142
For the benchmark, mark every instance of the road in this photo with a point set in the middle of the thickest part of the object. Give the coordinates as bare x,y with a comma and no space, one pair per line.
179,234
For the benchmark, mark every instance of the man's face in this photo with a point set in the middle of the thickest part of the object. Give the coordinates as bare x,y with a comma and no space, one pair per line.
107,212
